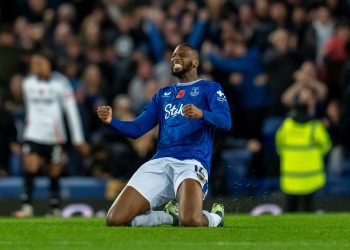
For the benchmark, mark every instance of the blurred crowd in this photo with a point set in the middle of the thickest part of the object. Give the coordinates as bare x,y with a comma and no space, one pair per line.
116,52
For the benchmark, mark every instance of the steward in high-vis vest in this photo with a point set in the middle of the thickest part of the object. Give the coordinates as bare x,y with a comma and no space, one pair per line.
302,146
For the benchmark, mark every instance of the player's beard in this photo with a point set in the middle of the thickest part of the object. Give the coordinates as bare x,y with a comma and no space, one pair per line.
181,73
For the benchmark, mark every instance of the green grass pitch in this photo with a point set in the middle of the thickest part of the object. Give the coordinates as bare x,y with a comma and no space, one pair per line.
301,231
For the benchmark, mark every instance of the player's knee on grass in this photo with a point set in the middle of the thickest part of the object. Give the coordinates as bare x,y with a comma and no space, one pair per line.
191,220
115,219
129,204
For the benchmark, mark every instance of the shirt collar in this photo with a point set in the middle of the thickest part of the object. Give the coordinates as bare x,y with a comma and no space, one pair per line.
187,83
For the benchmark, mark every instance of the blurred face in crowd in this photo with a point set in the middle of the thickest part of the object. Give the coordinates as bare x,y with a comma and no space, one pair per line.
37,6
323,15
62,33
37,32
40,66
245,13
183,60
92,79
343,32
228,47
65,12
279,40
261,8
21,28
91,32
239,48
278,12
309,69
71,69
186,24
122,106
333,110
299,16
73,48
228,30
7,38
234,47
332,4
176,7
125,23
215,7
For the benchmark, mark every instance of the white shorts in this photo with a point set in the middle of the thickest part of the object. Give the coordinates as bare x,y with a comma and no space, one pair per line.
158,180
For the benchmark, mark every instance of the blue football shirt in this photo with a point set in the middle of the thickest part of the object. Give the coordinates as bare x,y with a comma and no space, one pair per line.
181,137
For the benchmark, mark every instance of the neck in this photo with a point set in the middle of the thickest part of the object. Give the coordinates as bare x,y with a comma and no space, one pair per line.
44,76
189,77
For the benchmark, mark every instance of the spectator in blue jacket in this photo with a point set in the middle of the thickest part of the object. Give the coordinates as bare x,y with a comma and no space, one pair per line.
247,81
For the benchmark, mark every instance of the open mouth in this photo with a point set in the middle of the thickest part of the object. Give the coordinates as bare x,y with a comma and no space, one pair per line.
177,67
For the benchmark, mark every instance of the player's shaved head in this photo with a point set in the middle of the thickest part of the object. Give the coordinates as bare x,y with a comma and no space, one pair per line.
190,48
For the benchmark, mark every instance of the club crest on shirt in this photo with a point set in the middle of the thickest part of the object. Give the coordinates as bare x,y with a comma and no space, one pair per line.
194,91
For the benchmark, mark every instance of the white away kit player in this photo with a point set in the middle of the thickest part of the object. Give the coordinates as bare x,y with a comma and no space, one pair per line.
47,96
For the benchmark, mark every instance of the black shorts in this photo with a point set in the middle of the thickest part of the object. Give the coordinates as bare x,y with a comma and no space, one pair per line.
50,153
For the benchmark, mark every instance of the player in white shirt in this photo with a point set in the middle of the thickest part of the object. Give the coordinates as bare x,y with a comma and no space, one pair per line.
47,96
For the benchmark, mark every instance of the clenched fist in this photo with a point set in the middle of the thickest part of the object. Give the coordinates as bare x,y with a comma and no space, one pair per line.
191,111
105,114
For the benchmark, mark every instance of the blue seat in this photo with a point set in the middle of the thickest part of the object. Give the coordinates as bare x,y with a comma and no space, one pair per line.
72,187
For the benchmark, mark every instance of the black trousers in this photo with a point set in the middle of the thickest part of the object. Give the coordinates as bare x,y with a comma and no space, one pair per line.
300,203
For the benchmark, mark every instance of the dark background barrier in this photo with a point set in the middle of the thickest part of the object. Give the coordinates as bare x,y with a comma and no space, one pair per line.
255,206
86,196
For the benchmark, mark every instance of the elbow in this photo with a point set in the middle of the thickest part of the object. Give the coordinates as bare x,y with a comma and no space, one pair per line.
228,122
134,136
224,122
227,126
137,133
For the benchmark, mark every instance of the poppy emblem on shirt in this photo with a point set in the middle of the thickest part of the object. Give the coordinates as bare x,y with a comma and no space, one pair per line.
194,91
180,94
